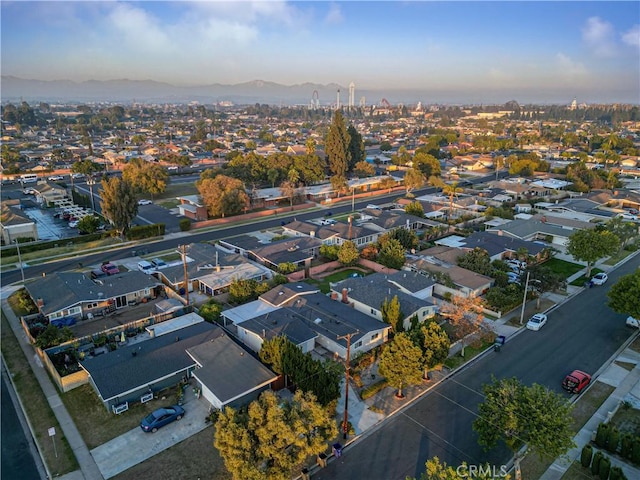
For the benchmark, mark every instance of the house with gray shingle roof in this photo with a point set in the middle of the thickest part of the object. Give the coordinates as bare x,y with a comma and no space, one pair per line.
541,227
334,234
299,251
309,318
75,294
451,278
15,224
368,294
500,247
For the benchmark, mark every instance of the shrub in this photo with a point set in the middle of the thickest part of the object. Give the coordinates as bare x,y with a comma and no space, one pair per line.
616,473
627,446
185,225
372,389
604,468
145,231
635,451
595,464
614,439
585,456
602,435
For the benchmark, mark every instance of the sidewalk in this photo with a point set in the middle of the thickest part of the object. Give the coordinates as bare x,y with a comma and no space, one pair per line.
88,468
628,383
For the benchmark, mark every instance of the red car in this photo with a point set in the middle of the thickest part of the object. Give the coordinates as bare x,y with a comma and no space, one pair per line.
576,381
110,269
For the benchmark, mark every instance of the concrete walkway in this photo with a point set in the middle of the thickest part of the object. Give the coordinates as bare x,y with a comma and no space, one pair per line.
88,468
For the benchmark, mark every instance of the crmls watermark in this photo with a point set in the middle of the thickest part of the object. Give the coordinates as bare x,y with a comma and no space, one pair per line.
482,471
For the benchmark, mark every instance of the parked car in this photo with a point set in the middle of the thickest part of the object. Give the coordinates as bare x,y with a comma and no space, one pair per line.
161,417
600,278
110,269
576,381
158,263
63,322
173,167
74,223
29,191
77,175
55,177
144,201
97,273
632,322
537,321
146,267
513,277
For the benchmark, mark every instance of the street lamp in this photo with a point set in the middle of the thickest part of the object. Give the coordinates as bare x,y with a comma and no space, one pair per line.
91,182
19,259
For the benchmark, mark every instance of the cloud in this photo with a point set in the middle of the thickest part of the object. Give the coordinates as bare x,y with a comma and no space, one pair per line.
569,69
632,36
334,15
599,37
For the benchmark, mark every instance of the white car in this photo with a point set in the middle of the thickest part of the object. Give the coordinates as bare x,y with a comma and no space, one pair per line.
599,278
73,223
633,322
144,201
537,321
628,216
55,177
513,277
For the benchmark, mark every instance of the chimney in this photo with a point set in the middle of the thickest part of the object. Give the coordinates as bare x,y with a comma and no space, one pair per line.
312,233
334,295
40,303
345,296
499,233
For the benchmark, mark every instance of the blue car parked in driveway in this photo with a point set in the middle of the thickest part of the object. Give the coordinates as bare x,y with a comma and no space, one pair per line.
161,417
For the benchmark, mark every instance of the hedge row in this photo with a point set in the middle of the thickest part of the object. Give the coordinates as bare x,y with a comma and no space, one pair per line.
372,389
145,231
600,465
35,247
608,437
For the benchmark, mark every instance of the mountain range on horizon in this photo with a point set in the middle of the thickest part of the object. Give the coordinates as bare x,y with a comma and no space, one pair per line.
15,89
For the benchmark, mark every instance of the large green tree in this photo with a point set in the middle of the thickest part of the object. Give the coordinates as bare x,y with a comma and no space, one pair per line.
476,260
392,313
119,203
223,195
348,253
146,177
623,229
542,279
336,146
355,148
624,295
401,363
413,179
427,164
391,254
591,245
519,414
433,341
273,437
434,470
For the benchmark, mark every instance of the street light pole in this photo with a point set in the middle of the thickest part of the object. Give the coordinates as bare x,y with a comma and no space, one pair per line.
20,260
345,421
91,182
353,199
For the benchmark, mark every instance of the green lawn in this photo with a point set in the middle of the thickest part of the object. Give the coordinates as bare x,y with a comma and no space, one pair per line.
562,267
579,282
617,257
469,353
323,284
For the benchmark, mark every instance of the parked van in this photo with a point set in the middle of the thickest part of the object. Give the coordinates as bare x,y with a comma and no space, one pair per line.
145,267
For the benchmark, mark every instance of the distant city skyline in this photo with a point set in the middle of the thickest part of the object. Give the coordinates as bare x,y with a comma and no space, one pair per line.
539,51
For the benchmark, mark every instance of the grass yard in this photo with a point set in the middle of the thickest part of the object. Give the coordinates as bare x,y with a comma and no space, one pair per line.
583,410
577,472
193,458
627,419
562,267
176,190
87,412
579,282
323,284
469,353
635,345
37,408
621,255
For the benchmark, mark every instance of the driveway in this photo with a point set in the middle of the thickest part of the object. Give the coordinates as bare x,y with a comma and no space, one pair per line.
136,446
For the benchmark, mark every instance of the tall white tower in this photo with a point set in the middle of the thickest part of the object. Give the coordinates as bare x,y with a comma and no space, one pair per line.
338,100
352,95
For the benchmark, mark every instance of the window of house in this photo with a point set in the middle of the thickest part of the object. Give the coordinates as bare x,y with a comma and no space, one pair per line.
75,310
375,336
358,344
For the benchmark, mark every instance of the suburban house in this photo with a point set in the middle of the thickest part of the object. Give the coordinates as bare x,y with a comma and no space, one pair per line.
309,319
368,294
226,374
451,278
502,247
299,251
386,220
210,270
334,234
48,192
15,224
192,206
75,294
548,228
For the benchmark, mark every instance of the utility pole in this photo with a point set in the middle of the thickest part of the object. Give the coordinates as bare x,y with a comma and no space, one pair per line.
186,274
524,300
345,421
20,259
353,199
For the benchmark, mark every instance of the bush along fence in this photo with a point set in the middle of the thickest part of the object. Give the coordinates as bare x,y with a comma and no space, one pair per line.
600,464
626,445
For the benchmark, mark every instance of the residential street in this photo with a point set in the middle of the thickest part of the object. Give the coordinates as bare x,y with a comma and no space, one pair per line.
581,334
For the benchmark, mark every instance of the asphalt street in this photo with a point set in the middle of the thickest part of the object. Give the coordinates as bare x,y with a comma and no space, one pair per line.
583,333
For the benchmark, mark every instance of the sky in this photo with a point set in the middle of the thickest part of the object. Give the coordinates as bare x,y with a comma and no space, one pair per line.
581,49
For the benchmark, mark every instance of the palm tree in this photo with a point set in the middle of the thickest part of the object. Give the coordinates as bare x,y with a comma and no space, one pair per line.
451,190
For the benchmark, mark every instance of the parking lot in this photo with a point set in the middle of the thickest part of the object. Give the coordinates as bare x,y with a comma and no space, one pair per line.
50,228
